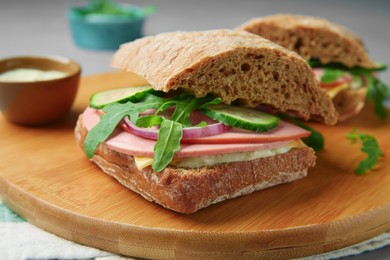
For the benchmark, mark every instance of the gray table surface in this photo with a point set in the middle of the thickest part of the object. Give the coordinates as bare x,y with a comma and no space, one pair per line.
39,27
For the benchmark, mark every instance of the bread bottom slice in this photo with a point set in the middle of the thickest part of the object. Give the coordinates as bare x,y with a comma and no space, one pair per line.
187,190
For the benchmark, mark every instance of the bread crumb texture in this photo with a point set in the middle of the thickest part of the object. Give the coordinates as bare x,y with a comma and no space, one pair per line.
237,66
312,37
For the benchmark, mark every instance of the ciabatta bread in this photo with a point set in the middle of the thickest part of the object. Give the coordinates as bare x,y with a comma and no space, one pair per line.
238,67
187,190
234,65
312,37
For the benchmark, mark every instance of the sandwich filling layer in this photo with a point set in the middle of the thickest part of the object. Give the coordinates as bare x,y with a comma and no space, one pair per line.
246,146
333,82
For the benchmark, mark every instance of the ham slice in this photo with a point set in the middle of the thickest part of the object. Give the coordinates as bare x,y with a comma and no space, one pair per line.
235,140
283,132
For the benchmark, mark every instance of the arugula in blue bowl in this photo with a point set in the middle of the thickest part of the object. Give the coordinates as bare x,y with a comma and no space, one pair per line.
105,25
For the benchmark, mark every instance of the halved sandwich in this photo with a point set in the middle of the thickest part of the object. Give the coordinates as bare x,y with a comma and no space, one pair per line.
337,56
194,135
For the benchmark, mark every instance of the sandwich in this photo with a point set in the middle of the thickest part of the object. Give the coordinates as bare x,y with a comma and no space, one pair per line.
198,133
337,56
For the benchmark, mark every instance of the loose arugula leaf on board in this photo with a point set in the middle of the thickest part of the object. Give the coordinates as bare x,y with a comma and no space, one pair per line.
167,144
370,147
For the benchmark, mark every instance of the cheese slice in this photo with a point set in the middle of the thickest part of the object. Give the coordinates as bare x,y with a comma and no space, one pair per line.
332,92
142,162
201,161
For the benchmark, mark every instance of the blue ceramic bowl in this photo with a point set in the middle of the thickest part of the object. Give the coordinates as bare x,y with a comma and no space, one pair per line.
104,32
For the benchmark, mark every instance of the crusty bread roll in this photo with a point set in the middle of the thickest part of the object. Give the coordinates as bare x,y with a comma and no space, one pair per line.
234,65
312,37
238,67
187,190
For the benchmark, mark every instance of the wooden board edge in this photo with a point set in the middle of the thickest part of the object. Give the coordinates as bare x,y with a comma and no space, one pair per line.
159,243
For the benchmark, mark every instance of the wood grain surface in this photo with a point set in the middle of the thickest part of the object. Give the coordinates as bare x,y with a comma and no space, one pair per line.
47,179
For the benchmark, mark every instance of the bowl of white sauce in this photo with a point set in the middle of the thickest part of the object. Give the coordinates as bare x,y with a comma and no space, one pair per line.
37,90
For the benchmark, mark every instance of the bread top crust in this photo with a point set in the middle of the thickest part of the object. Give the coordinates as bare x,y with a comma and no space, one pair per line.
312,37
234,65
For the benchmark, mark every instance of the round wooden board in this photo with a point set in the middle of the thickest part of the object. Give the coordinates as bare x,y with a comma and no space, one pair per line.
46,178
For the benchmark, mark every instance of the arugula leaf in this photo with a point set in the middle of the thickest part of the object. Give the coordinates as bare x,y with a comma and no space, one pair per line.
315,140
370,147
183,110
331,74
109,7
113,115
149,121
150,101
103,129
171,130
215,101
377,90
167,144
201,124
315,63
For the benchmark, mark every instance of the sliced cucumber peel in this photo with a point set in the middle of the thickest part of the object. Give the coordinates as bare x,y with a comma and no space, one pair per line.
241,117
120,95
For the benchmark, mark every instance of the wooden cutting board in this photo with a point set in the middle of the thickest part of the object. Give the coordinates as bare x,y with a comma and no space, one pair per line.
46,178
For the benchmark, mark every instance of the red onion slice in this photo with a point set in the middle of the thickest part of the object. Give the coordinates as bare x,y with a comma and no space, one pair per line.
208,130
188,132
150,132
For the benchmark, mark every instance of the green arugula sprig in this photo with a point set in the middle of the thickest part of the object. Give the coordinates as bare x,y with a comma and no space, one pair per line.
113,114
110,7
331,74
171,128
377,90
315,140
370,147
167,144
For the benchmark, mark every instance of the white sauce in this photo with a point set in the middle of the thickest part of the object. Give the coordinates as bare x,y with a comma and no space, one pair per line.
201,161
209,160
27,75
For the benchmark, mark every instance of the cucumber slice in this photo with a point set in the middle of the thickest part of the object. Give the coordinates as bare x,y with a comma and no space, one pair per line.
120,95
240,117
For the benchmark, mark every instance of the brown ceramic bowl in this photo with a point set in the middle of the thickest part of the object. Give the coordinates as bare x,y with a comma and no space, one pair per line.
38,102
